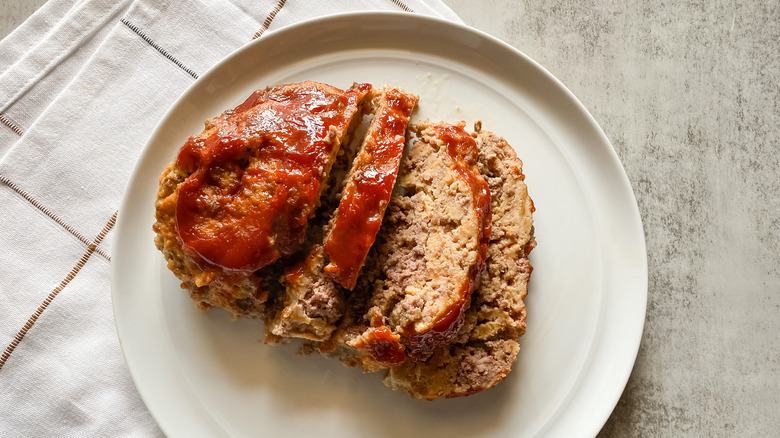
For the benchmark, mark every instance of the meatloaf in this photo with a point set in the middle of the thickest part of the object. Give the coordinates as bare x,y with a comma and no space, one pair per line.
314,301
239,195
407,254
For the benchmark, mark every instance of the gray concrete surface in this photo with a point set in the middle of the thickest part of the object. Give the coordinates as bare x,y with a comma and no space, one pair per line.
689,94
14,12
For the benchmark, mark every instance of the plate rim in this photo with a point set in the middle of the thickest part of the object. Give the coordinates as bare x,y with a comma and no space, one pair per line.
634,215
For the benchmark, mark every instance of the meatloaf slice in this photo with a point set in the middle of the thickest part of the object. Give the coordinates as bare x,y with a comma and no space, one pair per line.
427,259
486,346
314,299
498,310
369,186
239,195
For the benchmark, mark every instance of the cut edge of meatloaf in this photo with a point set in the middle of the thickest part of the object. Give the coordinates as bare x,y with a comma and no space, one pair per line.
498,310
427,258
242,293
455,371
313,300
486,347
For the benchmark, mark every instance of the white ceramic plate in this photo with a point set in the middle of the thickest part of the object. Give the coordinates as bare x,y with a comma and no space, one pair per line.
203,375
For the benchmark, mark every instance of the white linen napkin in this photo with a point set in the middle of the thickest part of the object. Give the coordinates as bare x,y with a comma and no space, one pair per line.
82,85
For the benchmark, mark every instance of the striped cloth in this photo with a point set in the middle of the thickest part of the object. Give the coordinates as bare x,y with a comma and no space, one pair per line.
82,84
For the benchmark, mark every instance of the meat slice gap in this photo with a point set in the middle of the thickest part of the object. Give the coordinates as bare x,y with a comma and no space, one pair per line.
314,290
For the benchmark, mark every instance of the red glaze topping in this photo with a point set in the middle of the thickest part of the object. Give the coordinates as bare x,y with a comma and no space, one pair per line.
383,345
463,150
256,173
295,275
368,190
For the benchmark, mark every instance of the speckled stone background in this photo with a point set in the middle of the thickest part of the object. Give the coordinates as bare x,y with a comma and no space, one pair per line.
689,94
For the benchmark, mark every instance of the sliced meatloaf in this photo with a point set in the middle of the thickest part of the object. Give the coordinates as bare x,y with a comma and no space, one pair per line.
486,345
368,187
313,299
239,195
428,257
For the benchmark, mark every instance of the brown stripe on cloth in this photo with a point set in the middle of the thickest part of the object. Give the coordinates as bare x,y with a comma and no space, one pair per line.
402,5
14,127
157,47
280,5
270,18
4,179
53,294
